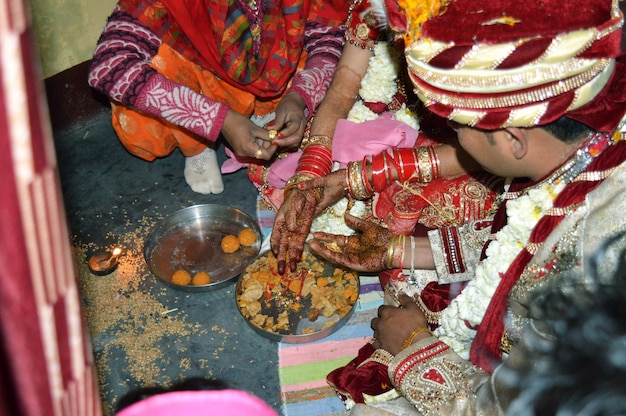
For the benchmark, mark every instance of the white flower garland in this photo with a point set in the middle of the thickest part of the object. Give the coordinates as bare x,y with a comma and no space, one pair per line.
378,85
523,214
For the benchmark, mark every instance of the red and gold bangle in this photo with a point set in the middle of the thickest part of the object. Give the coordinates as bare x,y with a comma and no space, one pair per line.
320,152
405,163
398,163
366,183
388,172
355,181
379,171
434,161
314,165
348,181
316,160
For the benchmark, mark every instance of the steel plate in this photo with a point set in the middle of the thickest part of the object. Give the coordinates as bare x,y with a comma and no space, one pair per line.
190,239
300,328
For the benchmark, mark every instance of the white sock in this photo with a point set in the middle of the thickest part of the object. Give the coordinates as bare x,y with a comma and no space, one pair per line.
202,173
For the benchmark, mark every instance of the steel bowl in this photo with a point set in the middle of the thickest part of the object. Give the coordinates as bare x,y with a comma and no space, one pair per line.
190,239
301,329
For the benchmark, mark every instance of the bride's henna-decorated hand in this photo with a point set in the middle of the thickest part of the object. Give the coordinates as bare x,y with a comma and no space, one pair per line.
294,218
366,251
334,185
292,225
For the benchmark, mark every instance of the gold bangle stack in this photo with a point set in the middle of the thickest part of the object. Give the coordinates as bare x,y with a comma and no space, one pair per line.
409,340
316,139
356,181
396,241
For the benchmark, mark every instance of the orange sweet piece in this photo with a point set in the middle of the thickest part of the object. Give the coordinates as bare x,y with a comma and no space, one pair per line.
247,237
201,278
322,282
181,277
295,286
230,243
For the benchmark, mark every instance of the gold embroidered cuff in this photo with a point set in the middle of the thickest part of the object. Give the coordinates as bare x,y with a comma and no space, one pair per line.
380,355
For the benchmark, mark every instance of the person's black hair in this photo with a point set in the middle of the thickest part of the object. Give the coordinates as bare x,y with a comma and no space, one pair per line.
567,130
580,369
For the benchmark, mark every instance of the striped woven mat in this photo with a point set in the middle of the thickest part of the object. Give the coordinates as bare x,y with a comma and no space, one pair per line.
302,368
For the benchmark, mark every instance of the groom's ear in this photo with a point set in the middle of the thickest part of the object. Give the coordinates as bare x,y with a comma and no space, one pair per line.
517,142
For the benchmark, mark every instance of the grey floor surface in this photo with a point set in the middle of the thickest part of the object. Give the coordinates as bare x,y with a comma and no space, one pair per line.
110,194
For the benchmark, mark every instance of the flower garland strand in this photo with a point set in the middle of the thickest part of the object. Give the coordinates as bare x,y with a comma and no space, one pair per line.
467,310
380,85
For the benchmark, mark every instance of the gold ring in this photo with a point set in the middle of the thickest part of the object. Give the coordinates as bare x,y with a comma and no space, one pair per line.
258,154
272,134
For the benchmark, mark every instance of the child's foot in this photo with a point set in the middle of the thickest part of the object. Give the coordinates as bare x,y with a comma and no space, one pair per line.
202,173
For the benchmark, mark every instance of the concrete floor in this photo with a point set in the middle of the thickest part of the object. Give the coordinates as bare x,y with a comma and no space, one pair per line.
145,334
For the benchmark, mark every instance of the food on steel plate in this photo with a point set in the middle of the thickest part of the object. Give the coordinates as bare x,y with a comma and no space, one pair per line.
230,243
181,277
201,278
247,237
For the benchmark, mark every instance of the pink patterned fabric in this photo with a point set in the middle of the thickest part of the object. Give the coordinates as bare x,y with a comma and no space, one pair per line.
183,107
121,66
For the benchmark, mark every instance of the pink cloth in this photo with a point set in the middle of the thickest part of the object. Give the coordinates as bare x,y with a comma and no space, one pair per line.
354,140
199,403
351,141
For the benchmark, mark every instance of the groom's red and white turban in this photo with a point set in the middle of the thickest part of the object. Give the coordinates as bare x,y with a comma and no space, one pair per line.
497,63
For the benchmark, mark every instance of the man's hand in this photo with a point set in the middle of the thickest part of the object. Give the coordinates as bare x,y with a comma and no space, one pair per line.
394,324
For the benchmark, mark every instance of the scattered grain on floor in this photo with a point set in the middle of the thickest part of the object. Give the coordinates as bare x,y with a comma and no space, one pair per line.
130,319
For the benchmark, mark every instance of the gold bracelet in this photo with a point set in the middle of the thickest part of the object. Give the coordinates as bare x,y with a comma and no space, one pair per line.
424,165
409,340
396,242
294,181
390,250
317,139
